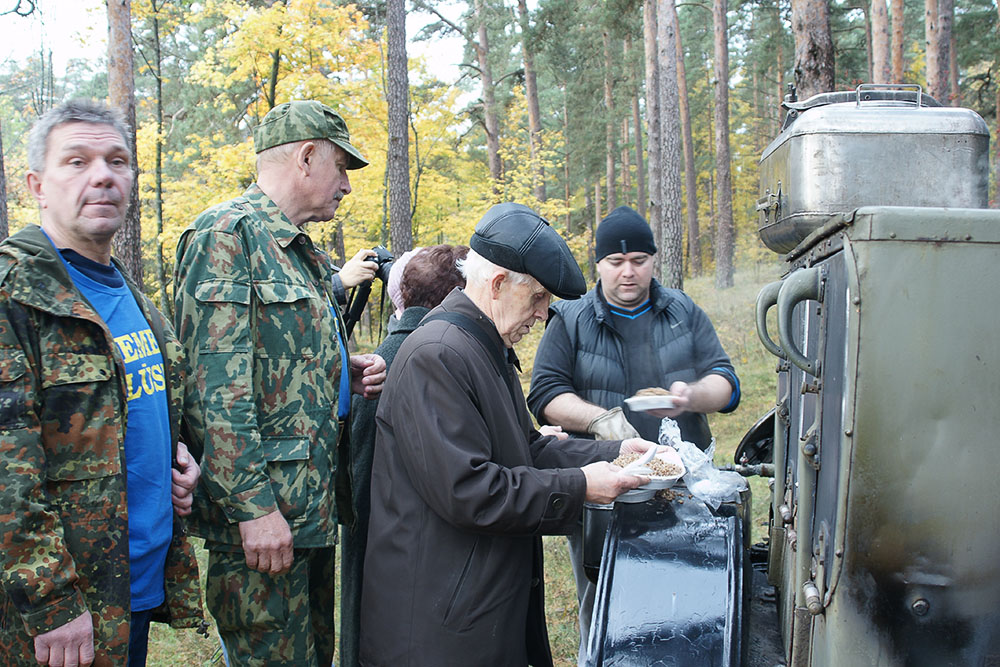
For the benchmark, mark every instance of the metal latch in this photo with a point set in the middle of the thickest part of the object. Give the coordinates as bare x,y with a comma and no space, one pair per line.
770,200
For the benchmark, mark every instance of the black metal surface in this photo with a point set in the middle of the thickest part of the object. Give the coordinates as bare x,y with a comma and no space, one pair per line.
595,528
834,330
673,586
757,446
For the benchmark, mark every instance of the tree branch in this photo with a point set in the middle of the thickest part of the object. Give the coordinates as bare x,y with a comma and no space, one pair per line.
17,9
419,4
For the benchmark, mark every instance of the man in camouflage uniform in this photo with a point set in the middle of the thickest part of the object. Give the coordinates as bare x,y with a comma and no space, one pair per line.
83,570
273,382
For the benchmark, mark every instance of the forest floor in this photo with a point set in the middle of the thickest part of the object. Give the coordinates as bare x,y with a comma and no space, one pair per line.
732,312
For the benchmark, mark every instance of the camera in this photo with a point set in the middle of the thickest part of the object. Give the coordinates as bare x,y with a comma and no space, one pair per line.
384,259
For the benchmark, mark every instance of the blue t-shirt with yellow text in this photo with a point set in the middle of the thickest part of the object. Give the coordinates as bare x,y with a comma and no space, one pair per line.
147,434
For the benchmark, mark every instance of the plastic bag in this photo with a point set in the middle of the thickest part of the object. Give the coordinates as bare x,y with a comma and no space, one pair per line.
703,480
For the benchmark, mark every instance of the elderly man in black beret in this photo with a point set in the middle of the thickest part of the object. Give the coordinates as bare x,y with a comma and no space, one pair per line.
462,485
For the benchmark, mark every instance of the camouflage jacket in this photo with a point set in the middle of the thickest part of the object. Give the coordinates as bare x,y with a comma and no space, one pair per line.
63,409
255,314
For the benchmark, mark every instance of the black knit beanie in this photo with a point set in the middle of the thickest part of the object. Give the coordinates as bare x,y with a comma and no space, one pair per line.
623,231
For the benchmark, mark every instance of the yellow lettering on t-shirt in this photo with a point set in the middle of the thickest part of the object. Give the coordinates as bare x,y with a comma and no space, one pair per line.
132,393
126,347
137,345
159,384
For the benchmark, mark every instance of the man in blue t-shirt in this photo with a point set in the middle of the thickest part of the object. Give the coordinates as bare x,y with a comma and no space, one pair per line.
91,384
147,437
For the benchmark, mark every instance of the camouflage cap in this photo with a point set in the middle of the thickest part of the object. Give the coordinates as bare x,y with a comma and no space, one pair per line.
301,120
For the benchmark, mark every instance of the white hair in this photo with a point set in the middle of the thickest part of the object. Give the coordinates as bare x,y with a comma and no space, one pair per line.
477,270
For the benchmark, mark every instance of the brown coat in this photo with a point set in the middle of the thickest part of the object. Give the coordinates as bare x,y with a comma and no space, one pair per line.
462,489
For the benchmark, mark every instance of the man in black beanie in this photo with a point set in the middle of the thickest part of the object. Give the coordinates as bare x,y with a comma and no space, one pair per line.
626,334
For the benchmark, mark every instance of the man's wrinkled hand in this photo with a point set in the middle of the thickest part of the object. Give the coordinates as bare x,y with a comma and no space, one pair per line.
367,374
267,543
69,645
358,269
612,425
606,481
183,479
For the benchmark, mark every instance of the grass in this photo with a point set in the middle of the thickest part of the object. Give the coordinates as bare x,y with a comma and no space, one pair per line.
732,312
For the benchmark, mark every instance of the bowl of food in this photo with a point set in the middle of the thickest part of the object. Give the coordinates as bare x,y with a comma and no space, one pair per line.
650,398
663,470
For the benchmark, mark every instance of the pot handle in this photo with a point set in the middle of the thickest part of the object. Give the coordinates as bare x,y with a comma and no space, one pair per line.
768,297
801,285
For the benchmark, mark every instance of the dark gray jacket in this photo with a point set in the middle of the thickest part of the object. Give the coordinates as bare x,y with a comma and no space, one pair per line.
582,354
462,488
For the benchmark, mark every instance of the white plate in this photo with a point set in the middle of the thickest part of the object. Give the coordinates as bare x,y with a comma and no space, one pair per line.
643,403
640,495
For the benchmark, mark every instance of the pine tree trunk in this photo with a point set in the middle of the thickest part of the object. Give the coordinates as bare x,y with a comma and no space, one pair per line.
566,171
271,93
779,29
690,169
626,165
593,228
166,305
897,40
652,123
609,126
534,112
724,238
956,92
671,238
868,39
127,243
813,47
931,48
640,171
946,13
4,224
398,158
490,122
881,68
996,121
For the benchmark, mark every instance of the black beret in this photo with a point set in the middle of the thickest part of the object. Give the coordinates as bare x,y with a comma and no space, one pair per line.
516,238
623,231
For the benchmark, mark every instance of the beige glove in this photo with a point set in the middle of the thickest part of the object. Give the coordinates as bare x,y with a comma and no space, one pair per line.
612,425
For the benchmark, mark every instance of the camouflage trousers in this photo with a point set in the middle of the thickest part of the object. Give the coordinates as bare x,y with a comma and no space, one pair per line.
264,619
